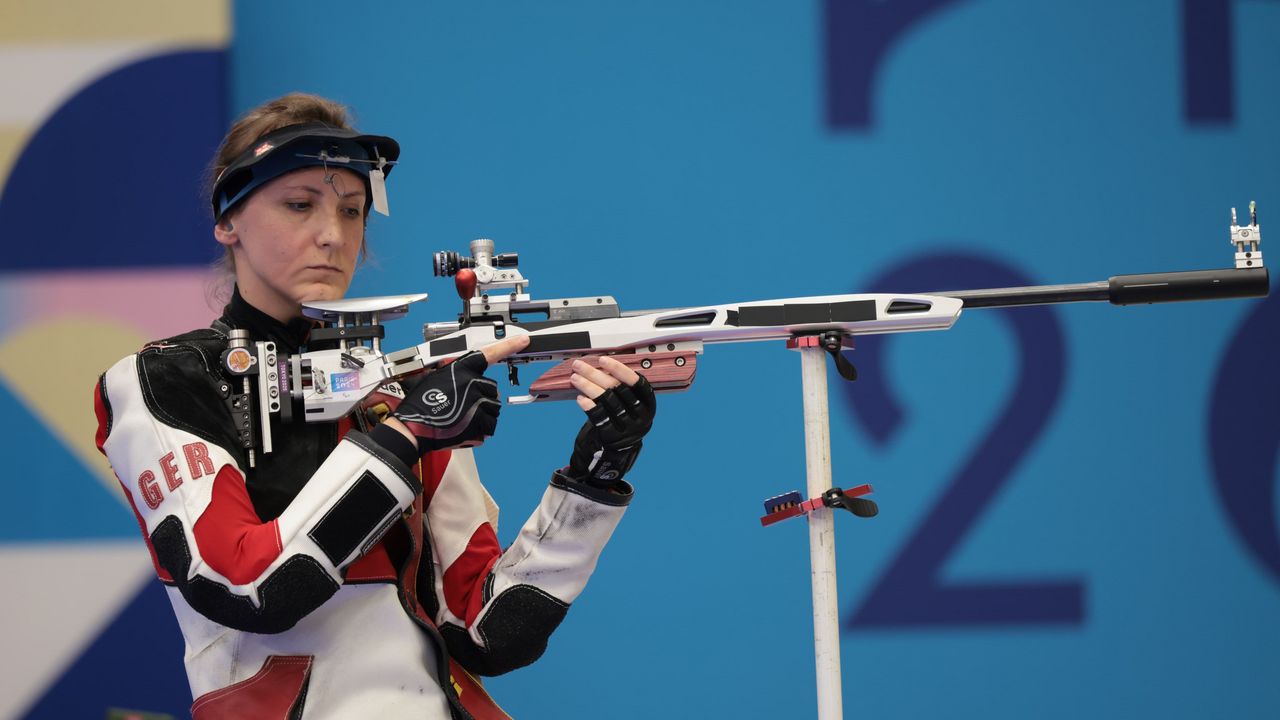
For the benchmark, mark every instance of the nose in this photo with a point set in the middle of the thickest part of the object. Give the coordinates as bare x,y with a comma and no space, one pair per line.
329,234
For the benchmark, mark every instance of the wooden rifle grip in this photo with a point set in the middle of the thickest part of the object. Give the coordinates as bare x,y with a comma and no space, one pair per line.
665,371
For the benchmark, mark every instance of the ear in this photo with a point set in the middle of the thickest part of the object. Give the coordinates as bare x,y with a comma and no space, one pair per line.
225,232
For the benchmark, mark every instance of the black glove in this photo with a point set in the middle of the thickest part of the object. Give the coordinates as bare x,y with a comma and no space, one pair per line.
452,407
609,443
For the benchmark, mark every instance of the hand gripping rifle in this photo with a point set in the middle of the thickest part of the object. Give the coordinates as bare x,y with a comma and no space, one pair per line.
662,345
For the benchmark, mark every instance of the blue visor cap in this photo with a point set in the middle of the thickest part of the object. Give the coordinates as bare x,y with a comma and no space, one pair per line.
300,146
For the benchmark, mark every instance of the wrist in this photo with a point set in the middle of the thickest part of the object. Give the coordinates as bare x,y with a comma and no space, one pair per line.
602,467
395,443
619,492
399,427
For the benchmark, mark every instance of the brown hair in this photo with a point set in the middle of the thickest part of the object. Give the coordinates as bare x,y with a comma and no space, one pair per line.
292,109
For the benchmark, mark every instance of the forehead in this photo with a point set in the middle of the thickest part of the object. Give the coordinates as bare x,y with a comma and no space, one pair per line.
345,180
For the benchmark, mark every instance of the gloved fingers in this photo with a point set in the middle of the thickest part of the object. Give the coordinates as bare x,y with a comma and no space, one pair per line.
643,392
617,411
630,379
486,387
452,406
502,349
487,419
475,361
597,415
638,417
486,403
482,425
631,415
627,398
415,384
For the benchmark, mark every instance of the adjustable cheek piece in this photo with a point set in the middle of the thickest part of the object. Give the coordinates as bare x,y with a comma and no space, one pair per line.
318,385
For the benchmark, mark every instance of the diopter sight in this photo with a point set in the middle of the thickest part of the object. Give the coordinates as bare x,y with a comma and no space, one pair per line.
486,265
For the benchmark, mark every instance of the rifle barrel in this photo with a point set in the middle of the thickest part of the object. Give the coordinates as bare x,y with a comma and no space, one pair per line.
1128,289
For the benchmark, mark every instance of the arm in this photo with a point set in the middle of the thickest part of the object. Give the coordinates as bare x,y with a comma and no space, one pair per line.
187,489
497,609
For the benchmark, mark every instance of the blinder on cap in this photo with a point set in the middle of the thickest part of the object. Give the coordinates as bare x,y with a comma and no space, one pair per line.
294,147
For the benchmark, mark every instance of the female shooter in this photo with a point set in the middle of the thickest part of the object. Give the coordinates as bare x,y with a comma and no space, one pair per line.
355,570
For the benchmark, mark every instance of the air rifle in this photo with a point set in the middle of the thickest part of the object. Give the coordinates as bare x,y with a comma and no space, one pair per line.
662,345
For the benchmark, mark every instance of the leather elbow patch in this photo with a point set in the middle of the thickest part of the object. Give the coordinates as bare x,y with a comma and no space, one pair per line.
515,630
288,594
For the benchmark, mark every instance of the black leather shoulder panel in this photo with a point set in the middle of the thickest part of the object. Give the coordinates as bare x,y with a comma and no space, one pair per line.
183,386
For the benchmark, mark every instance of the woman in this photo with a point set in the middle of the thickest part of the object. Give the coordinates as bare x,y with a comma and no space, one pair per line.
345,574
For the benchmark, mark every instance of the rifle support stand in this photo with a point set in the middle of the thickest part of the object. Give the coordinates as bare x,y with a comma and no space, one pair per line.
822,534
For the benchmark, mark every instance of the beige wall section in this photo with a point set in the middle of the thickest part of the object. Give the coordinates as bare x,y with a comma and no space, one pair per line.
202,22
56,382
12,140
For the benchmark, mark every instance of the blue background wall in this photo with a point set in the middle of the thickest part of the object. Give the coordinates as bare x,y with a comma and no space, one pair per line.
1078,509
1055,540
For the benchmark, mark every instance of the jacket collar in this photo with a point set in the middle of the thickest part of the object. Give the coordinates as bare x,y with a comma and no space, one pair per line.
288,337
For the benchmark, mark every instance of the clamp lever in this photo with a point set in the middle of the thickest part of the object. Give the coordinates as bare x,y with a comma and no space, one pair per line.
834,342
792,504
862,507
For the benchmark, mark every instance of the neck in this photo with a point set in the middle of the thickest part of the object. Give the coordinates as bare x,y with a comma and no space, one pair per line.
257,294
242,313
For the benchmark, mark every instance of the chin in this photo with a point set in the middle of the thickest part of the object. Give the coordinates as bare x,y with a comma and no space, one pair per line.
321,292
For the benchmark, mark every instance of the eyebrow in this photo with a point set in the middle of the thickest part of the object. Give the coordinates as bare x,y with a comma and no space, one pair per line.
316,191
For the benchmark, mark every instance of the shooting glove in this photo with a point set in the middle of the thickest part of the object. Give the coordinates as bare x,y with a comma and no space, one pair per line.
452,407
609,442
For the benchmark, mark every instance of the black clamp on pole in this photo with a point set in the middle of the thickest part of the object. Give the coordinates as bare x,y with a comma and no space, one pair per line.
834,342
792,504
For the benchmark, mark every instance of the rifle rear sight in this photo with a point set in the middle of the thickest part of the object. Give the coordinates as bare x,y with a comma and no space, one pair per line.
493,293
489,268
448,263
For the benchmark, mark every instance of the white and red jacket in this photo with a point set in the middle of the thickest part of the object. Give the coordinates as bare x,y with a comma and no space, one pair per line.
364,588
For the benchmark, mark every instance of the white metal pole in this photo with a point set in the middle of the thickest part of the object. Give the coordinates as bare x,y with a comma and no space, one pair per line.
822,533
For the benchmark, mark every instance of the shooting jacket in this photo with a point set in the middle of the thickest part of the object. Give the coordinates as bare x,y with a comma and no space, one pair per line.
334,579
